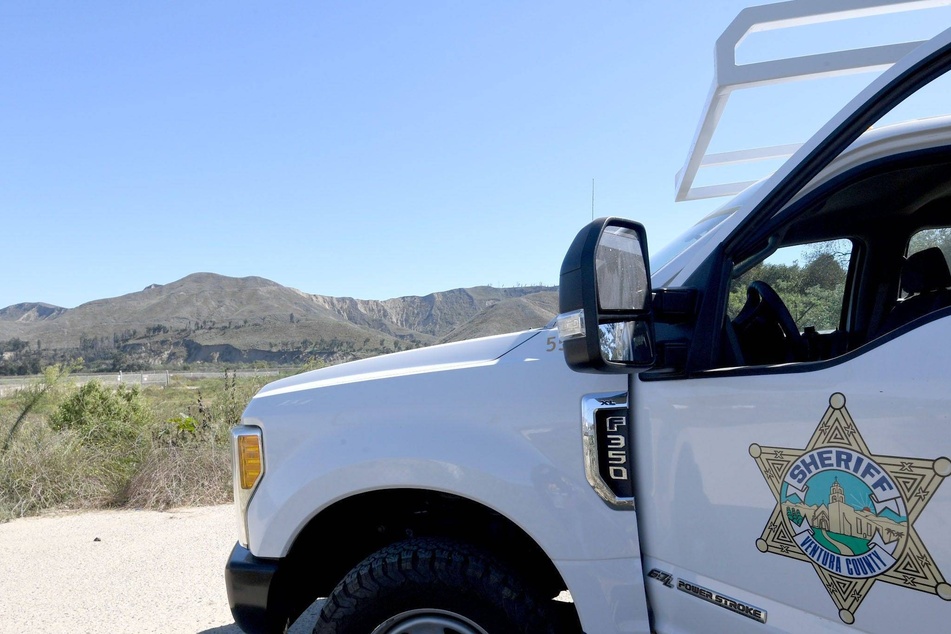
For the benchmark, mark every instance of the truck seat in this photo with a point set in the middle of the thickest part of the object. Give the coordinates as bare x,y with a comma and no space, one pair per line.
925,279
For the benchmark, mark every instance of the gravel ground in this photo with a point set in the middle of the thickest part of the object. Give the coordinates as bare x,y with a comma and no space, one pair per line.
120,571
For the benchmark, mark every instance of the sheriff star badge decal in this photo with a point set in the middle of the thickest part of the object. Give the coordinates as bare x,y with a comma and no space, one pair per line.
851,513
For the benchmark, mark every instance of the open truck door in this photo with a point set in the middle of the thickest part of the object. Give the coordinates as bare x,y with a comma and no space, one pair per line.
788,457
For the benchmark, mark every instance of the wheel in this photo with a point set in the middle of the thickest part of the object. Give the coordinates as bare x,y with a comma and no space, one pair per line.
432,586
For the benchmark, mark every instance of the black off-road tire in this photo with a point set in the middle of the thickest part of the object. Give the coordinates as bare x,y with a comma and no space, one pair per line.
427,578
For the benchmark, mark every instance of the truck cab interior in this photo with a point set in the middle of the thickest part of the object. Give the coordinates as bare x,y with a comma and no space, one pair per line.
869,263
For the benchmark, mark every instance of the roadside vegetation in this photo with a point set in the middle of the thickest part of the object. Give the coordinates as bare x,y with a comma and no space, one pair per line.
67,447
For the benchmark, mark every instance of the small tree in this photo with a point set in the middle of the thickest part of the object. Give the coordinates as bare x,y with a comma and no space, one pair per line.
794,515
34,395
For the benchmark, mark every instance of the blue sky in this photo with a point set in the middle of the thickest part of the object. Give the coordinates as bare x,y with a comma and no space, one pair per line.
371,149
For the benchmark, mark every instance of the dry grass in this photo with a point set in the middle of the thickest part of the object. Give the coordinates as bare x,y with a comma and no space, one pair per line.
191,475
44,470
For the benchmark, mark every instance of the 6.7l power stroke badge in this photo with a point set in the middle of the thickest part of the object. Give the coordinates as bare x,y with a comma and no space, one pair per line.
850,513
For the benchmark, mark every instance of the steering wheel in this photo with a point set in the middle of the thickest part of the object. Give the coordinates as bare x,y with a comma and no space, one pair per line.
765,328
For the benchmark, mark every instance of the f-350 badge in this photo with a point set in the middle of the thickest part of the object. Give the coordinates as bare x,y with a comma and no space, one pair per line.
850,513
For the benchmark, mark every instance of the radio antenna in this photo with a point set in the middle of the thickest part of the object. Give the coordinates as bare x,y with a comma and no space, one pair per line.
592,199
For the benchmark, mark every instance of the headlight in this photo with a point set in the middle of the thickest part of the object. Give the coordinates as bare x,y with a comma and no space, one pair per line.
247,451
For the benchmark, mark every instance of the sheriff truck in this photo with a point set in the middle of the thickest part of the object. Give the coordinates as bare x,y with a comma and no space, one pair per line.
695,444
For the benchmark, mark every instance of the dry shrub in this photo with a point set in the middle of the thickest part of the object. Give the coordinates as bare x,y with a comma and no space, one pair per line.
182,475
44,470
97,447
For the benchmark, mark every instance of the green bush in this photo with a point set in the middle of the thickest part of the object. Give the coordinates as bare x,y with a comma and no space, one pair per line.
103,417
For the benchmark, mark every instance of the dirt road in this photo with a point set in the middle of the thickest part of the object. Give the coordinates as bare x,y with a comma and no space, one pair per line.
120,571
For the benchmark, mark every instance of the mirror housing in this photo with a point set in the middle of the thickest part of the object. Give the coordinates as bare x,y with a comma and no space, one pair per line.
604,298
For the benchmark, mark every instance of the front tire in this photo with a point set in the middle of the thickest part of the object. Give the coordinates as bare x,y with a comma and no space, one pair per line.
426,585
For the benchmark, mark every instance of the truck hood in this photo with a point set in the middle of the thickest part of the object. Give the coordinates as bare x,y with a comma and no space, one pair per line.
450,356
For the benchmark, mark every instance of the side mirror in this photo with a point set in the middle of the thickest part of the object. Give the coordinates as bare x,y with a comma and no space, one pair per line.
604,298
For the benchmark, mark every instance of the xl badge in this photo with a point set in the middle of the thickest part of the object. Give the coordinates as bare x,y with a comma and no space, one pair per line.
850,513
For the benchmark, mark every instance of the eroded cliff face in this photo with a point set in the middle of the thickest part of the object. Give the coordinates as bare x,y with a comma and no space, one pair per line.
436,314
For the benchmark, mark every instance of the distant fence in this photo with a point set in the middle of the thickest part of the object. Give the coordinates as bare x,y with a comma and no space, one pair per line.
9,385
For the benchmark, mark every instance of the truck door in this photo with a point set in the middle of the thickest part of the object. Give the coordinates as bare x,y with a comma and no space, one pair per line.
801,497
791,437
790,466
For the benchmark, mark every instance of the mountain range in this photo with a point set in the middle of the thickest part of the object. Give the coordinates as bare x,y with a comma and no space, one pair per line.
210,318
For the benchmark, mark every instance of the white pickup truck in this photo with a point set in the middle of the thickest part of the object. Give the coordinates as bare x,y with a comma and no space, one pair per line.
693,446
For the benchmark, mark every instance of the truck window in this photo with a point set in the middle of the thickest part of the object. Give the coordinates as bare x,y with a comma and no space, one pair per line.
864,257
789,307
925,279
929,238
677,246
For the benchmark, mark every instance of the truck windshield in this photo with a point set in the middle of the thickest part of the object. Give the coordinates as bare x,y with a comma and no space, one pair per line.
680,243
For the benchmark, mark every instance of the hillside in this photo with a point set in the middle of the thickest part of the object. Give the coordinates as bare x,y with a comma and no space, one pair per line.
28,312
209,318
